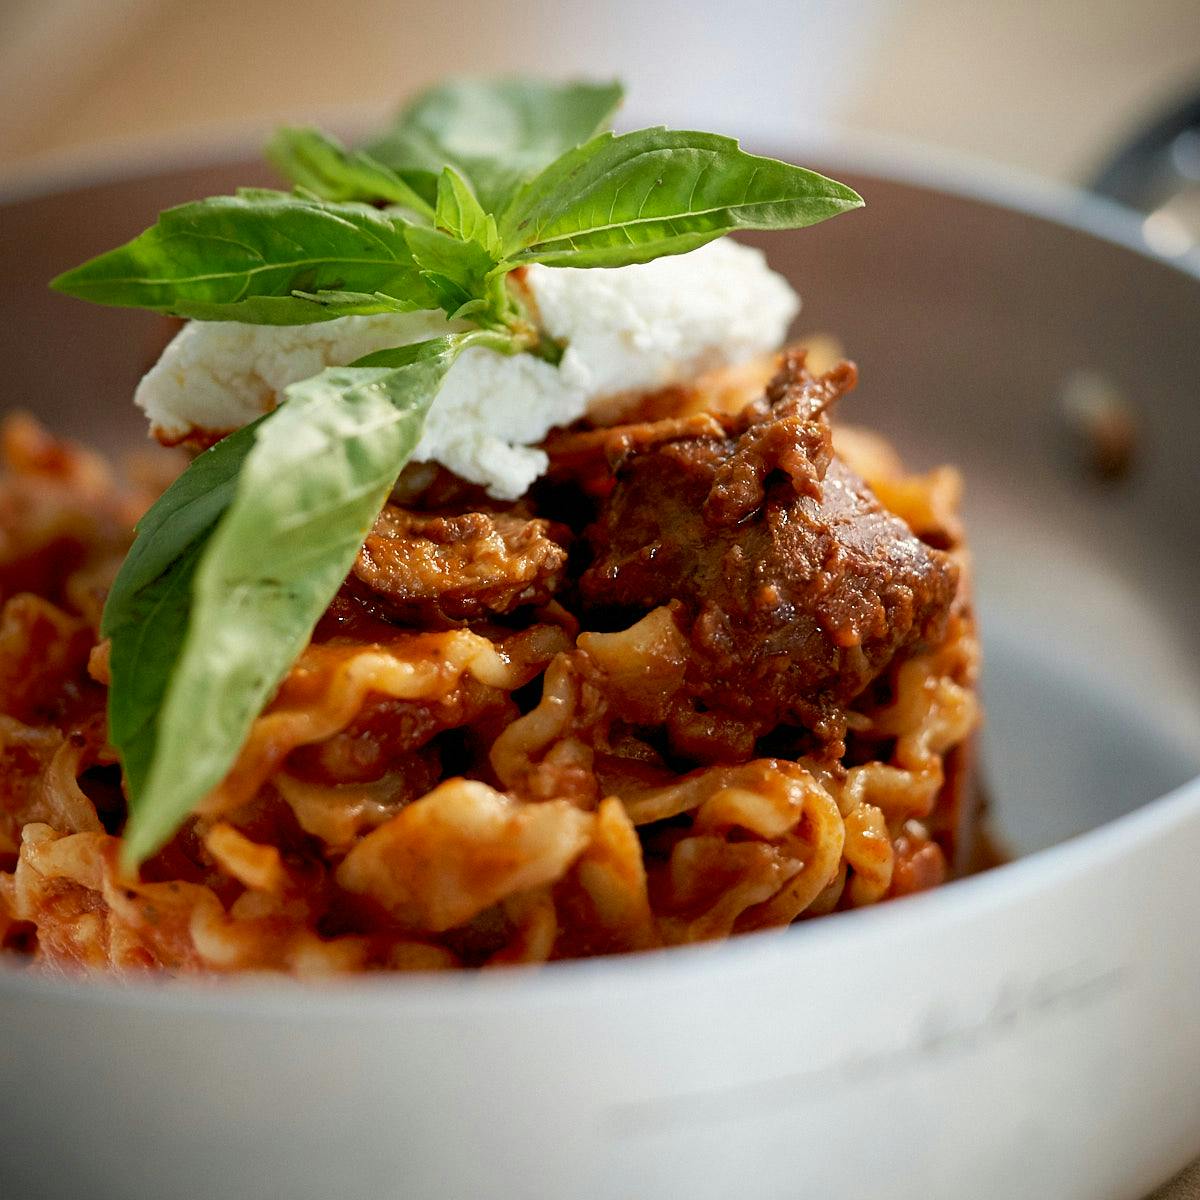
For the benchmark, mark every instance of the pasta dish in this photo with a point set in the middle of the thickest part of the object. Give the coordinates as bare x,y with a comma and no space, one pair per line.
540,760
711,670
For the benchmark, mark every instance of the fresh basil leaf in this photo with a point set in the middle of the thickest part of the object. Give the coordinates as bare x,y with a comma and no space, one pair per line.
638,196
320,164
512,120
146,612
460,214
496,133
238,258
433,250
455,271
308,491
144,651
414,158
188,508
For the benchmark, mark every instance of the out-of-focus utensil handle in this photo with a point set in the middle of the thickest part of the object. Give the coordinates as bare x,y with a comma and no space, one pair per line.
1158,173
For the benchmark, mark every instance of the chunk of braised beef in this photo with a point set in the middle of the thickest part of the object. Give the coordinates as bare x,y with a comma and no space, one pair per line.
798,587
428,569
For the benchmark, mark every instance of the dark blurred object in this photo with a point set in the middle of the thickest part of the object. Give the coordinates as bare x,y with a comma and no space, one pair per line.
1158,173
1099,426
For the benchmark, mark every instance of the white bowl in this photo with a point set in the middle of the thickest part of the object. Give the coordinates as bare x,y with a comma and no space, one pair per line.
1027,1032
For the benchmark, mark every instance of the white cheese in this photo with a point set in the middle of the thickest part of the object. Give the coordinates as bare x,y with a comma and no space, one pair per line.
628,329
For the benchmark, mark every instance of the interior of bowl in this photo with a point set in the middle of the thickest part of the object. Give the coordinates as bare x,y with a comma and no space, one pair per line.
972,324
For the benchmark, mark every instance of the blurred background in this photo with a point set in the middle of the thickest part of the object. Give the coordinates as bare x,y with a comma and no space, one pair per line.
1049,87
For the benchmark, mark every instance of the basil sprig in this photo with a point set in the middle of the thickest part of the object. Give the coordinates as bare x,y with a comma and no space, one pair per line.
234,565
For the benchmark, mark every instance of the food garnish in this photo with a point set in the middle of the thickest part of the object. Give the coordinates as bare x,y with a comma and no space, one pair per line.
234,565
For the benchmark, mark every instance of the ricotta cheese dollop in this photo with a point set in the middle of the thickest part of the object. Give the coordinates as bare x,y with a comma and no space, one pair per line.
626,329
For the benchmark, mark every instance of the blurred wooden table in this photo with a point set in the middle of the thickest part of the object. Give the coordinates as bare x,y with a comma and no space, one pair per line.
1048,87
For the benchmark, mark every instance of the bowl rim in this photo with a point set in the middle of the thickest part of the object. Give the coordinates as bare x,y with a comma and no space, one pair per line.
468,992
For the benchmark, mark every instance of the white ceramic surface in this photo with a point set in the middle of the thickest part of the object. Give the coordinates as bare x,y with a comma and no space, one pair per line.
1030,1032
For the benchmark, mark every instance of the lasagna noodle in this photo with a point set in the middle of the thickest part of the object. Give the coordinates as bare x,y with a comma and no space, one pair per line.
546,833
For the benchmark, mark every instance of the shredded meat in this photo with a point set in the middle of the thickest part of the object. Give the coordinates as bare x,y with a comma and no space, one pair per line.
431,570
798,587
